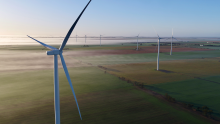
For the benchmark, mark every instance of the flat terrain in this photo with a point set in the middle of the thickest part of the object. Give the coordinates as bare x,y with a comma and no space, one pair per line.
26,85
128,50
140,58
194,81
175,70
103,98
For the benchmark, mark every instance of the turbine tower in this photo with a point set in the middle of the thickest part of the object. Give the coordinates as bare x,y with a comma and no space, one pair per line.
100,40
171,43
158,54
76,37
55,52
85,39
137,42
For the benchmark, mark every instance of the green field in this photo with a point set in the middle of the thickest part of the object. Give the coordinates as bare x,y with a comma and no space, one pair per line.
194,81
198,92
146,57
27,96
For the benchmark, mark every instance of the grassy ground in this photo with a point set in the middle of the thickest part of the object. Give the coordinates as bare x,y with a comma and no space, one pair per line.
198,92
210,47
146,57
191,81
177,70
28,98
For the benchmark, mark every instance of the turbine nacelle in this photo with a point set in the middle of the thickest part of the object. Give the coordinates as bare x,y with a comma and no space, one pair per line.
54,52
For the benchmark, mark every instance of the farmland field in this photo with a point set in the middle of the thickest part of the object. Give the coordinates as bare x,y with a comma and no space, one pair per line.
103,98
143,57
194,81
26,86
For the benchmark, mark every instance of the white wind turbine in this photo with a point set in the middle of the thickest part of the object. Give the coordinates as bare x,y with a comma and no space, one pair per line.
158,54
85,39
137,41
54,51
76,37
101,40
171,43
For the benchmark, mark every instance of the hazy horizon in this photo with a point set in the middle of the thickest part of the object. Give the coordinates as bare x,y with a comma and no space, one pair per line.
90,40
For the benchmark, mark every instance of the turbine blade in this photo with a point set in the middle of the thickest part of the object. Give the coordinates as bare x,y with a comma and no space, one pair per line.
69,80
175,38
71,29
156,32
172,32
45,45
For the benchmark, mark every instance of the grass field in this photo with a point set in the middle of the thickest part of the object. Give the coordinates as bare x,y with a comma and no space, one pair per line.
26,86
145,57
198,92
194,81
28,98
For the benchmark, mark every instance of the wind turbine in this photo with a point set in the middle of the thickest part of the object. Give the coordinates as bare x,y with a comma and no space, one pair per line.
54,51
137,41
85,38
101,40
158,54
171,43
76,37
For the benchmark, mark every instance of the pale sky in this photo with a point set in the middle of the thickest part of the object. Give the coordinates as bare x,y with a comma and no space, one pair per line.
188,18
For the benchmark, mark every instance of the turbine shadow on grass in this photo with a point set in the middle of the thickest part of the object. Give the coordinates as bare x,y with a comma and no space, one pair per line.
165,71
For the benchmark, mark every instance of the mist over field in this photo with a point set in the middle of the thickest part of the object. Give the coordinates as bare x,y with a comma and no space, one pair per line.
94,40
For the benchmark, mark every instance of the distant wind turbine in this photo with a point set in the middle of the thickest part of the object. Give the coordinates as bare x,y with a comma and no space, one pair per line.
171,43
85,39
76,37
158,54
54,51
101,40
137,41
